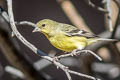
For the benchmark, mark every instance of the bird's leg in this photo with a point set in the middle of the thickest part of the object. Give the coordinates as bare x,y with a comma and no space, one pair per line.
75,52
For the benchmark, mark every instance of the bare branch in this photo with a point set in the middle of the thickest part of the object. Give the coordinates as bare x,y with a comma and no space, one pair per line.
26,23
79,74
96,7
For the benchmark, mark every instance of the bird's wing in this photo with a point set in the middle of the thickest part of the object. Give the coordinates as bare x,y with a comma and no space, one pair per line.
73,31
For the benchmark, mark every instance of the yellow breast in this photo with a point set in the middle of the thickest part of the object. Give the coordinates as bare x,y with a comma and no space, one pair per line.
66,43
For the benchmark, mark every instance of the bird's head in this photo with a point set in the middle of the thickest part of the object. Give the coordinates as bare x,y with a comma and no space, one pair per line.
45,26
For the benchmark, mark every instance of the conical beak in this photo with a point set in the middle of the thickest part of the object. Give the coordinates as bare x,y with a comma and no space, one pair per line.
36,29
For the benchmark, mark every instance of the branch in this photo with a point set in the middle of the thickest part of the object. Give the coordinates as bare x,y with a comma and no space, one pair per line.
96,7
26,23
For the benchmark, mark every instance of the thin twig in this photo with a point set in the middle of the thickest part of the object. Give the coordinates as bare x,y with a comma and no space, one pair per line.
76,73
96,7
26,23
34,49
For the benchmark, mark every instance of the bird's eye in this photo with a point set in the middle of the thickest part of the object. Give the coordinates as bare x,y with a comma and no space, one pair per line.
43,25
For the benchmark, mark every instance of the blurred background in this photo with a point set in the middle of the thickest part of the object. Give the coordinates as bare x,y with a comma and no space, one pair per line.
17,62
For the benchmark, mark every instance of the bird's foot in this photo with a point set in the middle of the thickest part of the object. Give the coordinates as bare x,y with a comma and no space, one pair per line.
75,52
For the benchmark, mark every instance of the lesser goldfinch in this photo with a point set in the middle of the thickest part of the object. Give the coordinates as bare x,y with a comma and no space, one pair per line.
66,37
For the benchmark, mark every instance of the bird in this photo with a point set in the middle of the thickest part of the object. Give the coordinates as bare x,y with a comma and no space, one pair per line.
66,37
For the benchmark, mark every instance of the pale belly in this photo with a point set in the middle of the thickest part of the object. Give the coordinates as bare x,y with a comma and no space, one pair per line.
67,44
